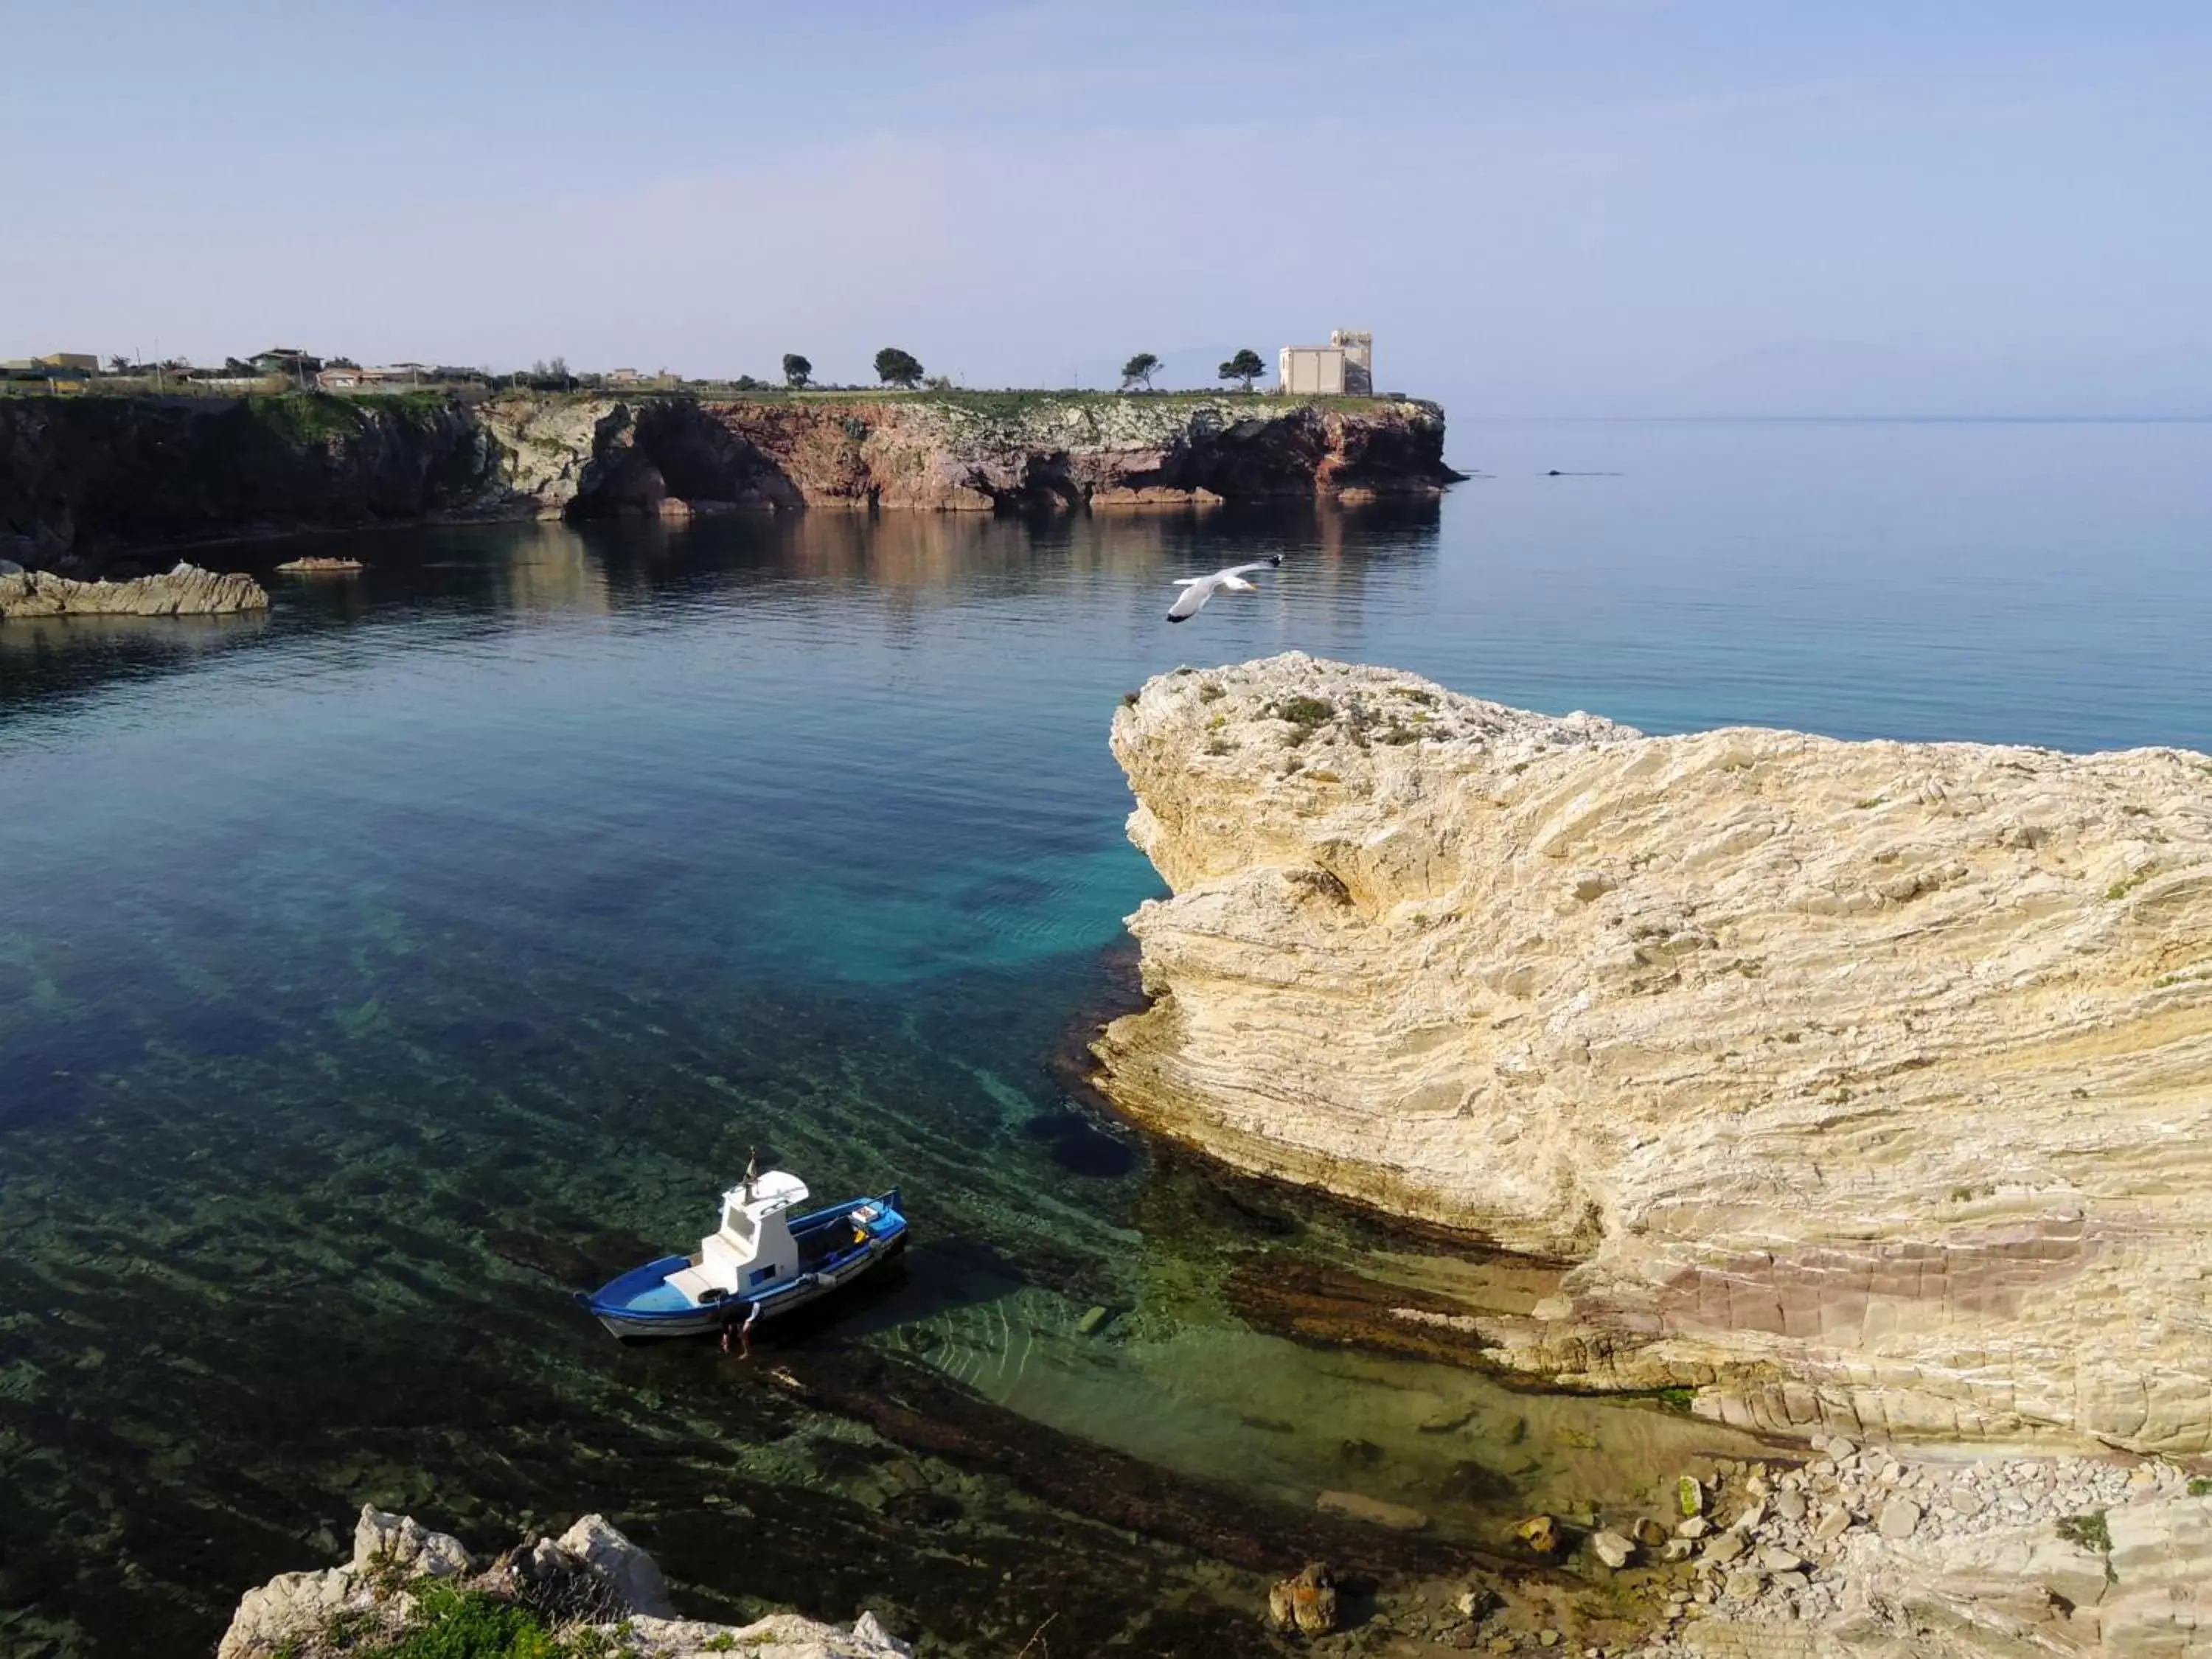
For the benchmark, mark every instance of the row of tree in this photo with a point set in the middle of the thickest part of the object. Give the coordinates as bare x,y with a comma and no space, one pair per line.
1244,368
893,367
903,368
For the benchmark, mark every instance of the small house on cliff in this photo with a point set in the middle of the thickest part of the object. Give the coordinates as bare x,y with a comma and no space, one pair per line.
1344,366
285,359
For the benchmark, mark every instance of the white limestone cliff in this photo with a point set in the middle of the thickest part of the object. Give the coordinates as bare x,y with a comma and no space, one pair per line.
1859,1083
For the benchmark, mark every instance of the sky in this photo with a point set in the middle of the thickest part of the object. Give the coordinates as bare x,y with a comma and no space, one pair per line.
1539,207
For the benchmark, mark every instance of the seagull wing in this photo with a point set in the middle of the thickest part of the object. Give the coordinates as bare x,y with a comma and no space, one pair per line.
1195,594
1241,569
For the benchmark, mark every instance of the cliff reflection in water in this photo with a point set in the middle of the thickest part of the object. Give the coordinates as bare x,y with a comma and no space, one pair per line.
452,583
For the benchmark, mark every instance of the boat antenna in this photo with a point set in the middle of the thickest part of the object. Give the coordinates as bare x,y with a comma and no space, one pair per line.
752,1170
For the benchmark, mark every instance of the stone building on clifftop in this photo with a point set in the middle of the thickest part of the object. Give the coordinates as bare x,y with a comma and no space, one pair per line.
1345,366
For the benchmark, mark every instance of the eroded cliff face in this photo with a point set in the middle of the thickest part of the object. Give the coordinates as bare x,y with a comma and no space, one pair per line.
987,452
1859,1083
85,483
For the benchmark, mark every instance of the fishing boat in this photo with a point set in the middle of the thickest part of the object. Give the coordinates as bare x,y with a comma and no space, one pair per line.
762,1260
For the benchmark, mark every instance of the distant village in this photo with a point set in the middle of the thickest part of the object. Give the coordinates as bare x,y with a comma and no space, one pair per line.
1345,366
289,369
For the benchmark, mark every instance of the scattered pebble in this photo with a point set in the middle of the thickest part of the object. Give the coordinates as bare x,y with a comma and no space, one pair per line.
1612,1549
1788,1554
1899,1517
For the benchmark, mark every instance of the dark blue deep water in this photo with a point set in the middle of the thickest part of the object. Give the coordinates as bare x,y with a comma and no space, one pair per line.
373,972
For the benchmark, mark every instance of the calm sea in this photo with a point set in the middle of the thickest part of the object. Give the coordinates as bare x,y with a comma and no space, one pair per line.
373,972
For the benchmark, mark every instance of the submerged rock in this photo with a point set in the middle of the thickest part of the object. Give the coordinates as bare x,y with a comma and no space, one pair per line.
1858,1082
1306,1603
1541,1533
1376,1511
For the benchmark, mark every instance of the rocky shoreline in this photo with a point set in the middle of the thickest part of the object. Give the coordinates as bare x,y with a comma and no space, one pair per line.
1815,1085
1857,1553
86,484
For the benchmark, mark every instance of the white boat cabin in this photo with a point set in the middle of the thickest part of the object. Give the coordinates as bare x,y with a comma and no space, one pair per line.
753,1248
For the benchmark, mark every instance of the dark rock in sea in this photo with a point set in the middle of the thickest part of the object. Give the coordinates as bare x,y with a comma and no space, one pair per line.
1081,1146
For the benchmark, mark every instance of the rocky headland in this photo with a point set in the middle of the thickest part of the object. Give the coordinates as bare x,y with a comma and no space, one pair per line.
86,484
1854,1086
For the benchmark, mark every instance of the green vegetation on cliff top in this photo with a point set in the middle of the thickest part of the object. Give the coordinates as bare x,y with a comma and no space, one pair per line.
998,406
305,415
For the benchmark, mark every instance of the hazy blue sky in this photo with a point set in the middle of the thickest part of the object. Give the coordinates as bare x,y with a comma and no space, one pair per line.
1537,206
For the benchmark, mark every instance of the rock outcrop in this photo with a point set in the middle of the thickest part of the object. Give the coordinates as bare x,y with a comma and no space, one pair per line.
84,482
983,452
1849,1083
592,1588
185,591
1860,1554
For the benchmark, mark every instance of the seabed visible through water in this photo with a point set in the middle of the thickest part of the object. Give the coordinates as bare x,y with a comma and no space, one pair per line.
373,974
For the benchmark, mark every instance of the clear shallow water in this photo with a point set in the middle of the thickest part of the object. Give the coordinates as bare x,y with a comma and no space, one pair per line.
370,970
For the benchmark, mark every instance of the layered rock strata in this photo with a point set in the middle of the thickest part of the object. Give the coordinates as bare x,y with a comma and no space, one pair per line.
1851,1083
591,1589
185,591
985,454
84,482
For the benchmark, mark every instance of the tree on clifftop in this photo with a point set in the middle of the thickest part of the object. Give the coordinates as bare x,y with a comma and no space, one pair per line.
896,368
1138,371
796,370
1245,366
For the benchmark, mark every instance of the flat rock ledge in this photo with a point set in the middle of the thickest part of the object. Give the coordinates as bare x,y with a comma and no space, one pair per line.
591,1588
187,590
1857,1086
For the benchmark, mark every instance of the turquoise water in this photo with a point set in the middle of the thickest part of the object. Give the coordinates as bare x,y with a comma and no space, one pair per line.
373,972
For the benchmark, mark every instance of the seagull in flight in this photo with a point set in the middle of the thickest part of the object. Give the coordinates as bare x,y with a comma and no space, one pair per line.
1197,590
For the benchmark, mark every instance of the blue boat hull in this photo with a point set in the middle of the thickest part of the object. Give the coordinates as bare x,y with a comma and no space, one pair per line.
641,1303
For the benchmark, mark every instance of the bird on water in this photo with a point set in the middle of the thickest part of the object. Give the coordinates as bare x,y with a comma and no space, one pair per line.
1197,590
